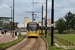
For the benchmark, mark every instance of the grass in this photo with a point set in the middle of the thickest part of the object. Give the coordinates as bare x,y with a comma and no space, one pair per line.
70,37
48,39
12,42
61,42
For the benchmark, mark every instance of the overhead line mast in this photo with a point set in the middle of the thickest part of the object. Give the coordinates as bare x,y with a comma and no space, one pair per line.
33,9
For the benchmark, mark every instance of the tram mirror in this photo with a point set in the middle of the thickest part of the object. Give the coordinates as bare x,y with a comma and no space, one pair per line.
27,27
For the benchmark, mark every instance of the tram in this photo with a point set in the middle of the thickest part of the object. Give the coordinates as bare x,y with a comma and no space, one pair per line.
32,29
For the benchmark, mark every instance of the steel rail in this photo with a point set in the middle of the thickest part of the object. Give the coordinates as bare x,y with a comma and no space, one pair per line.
26,42
36,44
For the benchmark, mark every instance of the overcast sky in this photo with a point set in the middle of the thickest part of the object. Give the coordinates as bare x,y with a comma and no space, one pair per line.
61,7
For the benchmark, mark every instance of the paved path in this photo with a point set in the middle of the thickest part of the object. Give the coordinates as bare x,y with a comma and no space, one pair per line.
6,38
1,36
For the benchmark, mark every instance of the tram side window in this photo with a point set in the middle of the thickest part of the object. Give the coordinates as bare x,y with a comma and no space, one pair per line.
27,26
37,26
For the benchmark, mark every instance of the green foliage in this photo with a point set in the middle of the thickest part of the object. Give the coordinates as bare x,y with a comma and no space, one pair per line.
3,25
60,25
73,33
56,33
61,42
11,25
66,32
70,20
73,23
48,40
70,37
49,33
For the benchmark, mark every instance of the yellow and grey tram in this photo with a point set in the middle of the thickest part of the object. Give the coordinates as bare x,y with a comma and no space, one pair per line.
32,29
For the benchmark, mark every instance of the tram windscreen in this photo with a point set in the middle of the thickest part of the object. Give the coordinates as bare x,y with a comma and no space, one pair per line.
32,27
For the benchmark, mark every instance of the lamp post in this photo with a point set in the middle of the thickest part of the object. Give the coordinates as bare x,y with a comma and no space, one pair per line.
52,21
11,19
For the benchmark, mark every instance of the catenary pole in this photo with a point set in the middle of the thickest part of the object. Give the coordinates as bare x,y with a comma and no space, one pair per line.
46,21
52,21
42,15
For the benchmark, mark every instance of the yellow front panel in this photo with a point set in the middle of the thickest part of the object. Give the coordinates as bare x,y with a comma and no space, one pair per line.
33,33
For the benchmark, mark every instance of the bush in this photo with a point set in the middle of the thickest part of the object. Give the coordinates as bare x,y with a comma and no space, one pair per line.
49,33
66,32
56,33
72,32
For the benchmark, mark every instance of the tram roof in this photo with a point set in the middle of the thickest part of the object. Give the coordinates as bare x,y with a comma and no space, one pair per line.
33,21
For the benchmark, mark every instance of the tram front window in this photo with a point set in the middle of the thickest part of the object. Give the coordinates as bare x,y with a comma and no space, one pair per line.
32,27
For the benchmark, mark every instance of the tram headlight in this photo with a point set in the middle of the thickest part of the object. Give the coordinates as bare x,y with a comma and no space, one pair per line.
29,31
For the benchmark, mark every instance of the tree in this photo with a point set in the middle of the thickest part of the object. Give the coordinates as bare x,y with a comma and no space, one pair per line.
60,25
69,19
3,25
10,26
73,23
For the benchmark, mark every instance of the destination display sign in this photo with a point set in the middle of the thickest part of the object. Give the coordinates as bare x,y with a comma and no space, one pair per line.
32,23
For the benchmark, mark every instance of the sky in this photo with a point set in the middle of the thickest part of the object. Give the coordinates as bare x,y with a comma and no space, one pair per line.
61,7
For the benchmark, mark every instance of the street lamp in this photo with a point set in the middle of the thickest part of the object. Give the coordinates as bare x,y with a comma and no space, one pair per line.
11,19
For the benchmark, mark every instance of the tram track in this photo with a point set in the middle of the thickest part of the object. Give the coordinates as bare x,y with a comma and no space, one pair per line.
36,45
30,44
27,41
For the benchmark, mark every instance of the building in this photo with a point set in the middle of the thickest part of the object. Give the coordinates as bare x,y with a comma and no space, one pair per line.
48,23
26,19
5,22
